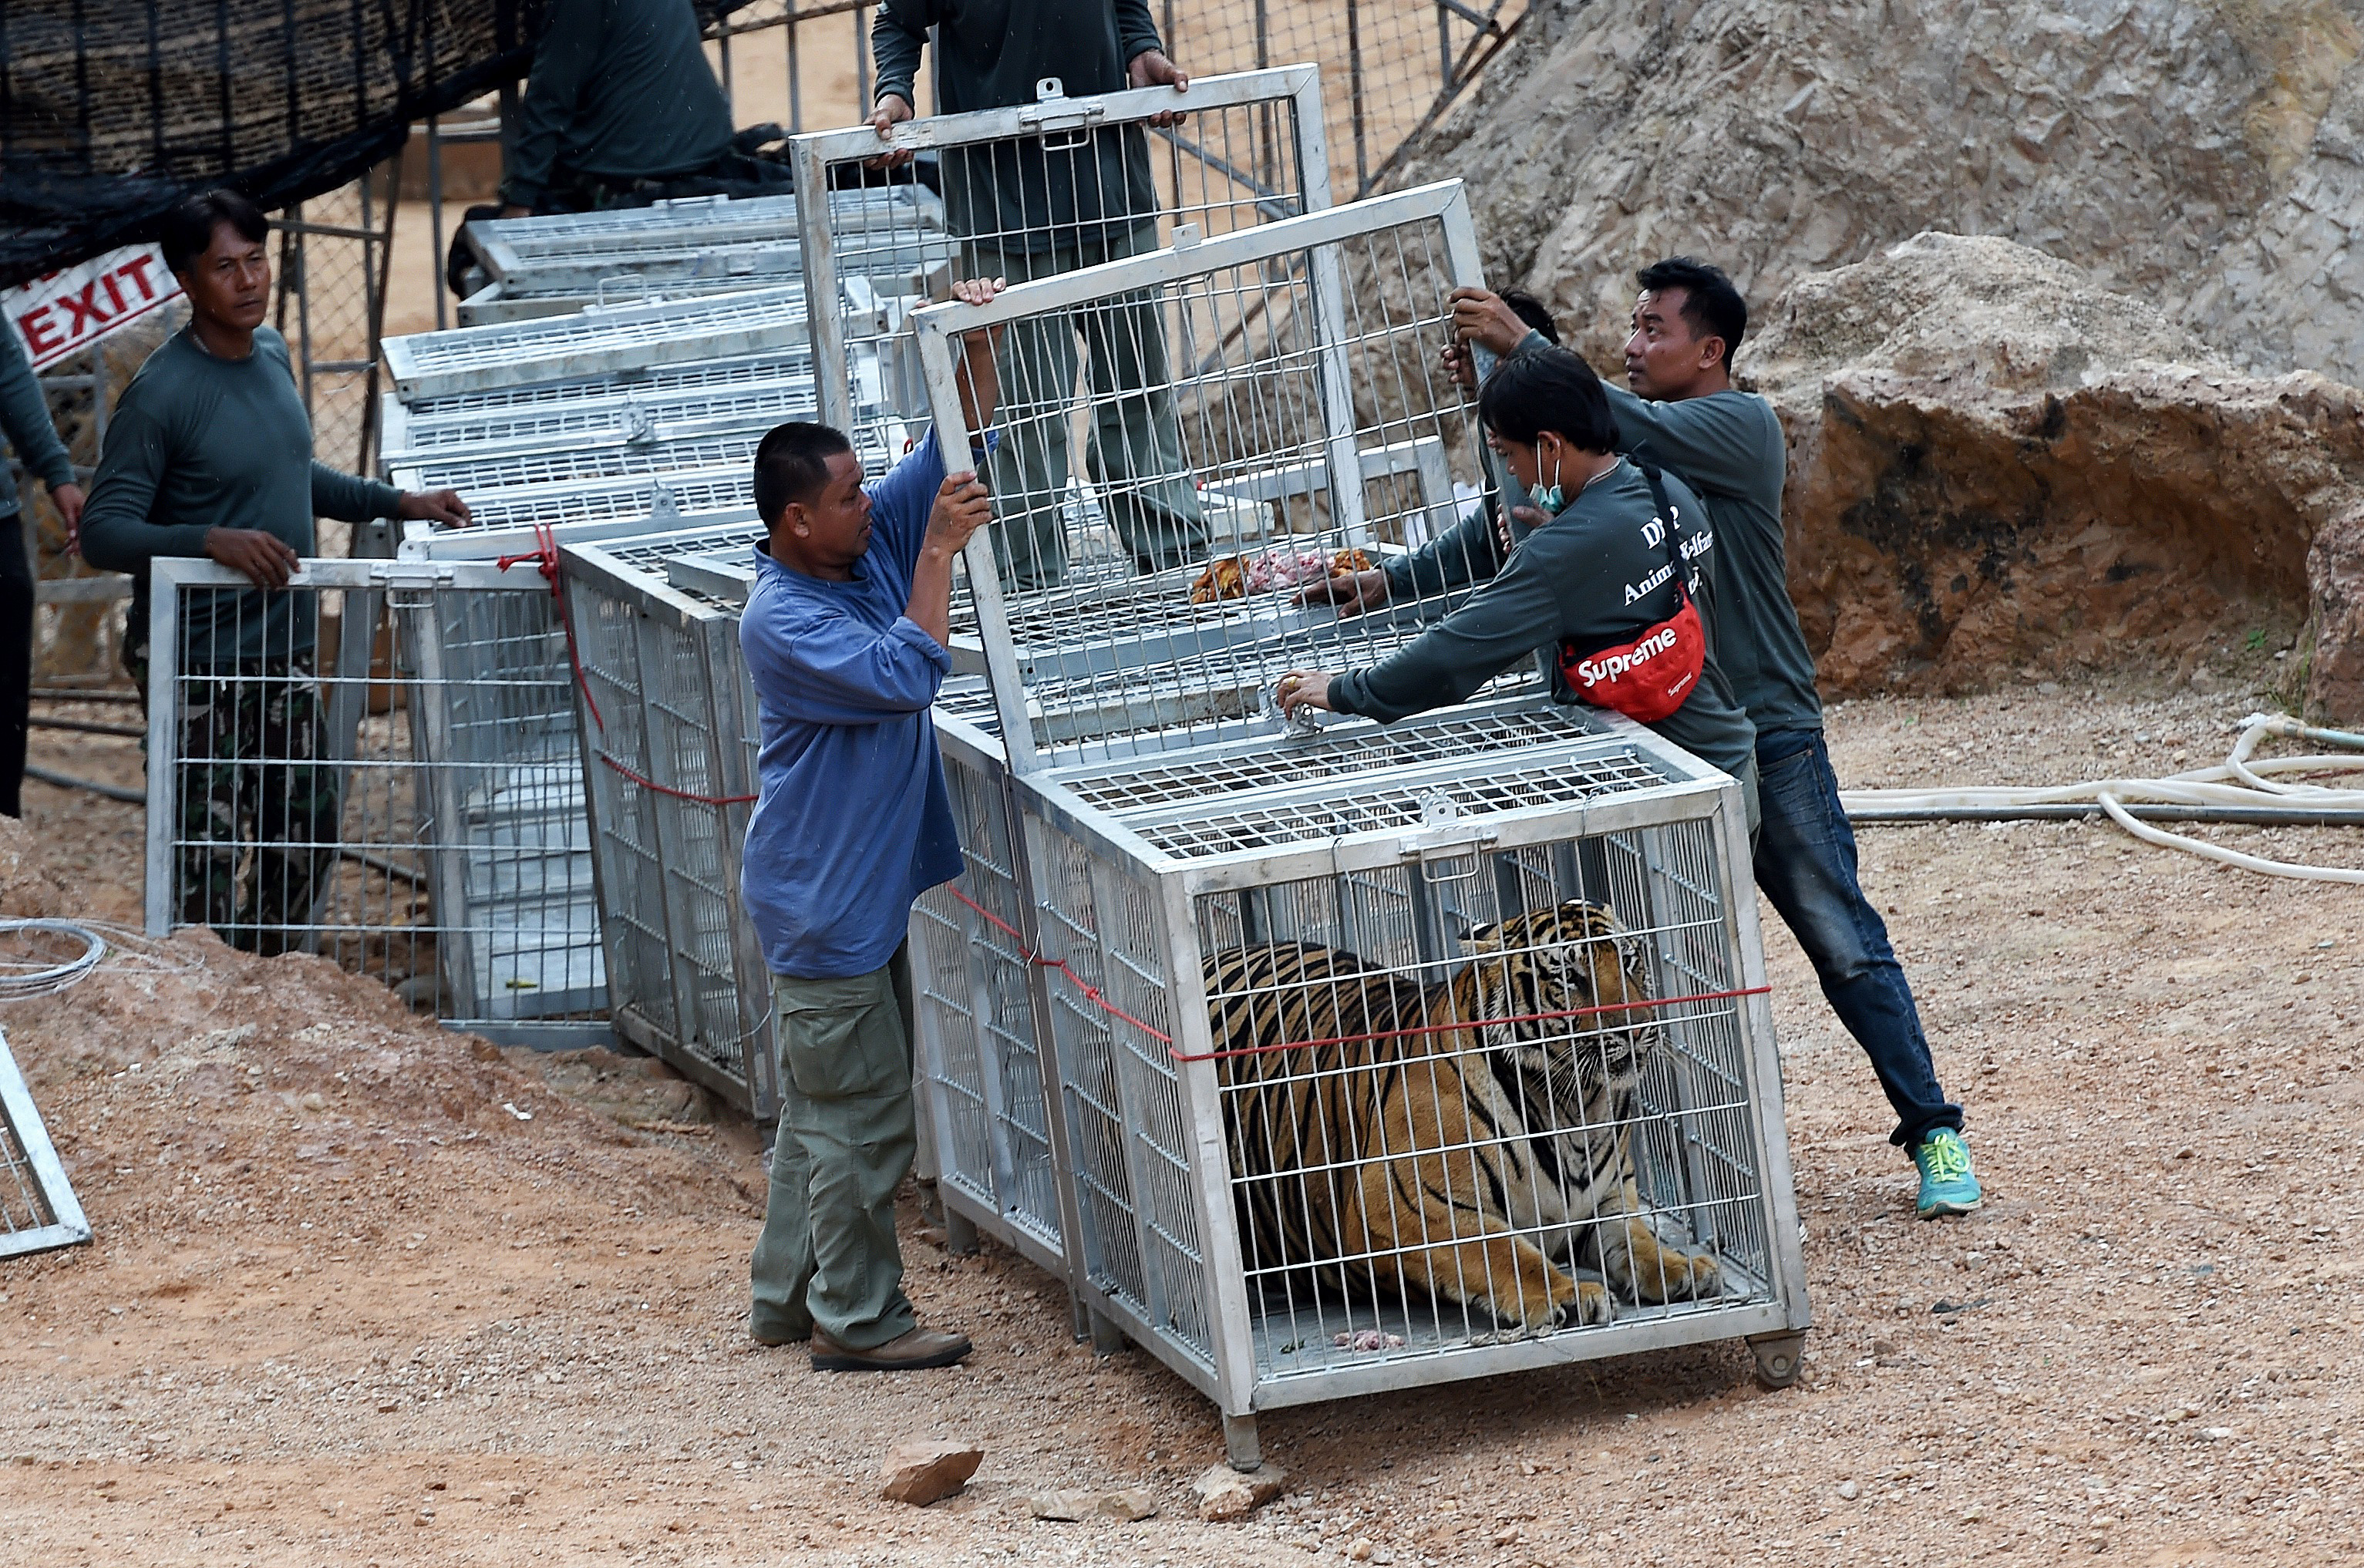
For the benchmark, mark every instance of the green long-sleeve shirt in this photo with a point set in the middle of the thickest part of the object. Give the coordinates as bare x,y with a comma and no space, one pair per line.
25,420
198,443
1729,447
1032,195
619,88
1586,577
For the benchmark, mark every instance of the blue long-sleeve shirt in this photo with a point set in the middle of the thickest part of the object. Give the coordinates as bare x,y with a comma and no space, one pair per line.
854,821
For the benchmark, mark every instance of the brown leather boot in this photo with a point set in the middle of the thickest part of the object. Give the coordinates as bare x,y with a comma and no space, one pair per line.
908,1352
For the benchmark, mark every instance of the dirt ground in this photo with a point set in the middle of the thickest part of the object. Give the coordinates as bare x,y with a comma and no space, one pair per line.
349,1304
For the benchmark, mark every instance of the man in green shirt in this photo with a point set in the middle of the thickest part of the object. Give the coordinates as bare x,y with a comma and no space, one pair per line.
1684,413
1038,207
209,453
25,420
621,98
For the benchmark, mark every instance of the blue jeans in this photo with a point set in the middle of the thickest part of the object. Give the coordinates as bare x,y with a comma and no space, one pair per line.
1806,864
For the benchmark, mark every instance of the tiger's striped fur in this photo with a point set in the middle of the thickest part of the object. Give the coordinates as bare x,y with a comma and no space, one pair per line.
1419,1156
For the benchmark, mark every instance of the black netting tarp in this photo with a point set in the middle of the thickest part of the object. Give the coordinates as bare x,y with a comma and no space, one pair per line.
111,110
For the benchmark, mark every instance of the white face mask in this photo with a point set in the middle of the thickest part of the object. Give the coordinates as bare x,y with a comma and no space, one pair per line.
1551,500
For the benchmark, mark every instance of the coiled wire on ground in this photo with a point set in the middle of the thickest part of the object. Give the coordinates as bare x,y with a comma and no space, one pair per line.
34,959
2238,784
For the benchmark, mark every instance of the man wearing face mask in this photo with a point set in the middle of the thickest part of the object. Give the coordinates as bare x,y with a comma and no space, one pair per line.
1684,412
1611,578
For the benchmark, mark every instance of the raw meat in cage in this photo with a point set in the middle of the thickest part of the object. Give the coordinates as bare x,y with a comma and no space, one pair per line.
1237,576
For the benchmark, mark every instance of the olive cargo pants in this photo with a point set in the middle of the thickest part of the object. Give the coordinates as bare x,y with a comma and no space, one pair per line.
827,1257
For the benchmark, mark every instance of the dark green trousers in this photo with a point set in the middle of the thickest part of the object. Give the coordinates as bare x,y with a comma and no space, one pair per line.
848,1132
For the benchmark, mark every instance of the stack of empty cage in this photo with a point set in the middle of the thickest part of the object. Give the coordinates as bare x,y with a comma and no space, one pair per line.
528,267
1250,152
595,425
1384,1055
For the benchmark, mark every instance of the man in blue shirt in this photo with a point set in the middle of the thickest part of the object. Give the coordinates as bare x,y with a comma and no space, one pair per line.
845,646
1684,414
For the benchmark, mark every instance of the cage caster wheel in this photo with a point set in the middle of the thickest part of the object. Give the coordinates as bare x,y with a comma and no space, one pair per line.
1778,1358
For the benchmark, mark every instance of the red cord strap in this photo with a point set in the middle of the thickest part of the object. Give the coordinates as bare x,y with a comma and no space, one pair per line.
1092,994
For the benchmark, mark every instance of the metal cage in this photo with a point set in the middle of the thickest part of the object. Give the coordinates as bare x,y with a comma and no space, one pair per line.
1258,944
664,723
400,794
672,763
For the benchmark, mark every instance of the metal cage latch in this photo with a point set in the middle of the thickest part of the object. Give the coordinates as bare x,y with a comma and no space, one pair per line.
1444,839
1054,113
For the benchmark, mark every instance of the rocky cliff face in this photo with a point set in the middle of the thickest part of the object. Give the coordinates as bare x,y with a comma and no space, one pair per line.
1995,464
2205,155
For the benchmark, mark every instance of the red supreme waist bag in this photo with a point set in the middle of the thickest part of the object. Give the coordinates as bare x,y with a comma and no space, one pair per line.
1648,678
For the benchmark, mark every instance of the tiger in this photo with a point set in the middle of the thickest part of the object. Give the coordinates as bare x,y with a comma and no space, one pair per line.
1367,1149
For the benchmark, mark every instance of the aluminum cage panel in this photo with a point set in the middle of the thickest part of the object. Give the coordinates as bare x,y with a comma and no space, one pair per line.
1321,411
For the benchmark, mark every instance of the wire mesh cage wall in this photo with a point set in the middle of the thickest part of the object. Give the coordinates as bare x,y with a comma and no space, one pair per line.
1316,424
374,764
665,722
1394,1056
1048,187
995,1147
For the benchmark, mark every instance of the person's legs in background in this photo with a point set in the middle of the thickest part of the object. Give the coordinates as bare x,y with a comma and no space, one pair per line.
297,825
16,660
1029,469
1806,863
1135,446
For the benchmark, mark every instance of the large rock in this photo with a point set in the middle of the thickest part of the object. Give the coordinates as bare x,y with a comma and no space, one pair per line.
1994,463
2207,155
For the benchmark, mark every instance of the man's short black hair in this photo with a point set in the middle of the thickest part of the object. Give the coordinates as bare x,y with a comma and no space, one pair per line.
792,465
1547,389
189,228
1531,311
1711,306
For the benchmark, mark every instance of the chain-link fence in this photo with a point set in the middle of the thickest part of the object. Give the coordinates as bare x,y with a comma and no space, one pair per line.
1393,65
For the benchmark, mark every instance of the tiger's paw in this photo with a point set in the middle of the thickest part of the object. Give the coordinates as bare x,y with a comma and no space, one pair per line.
1594,1305
1676,1276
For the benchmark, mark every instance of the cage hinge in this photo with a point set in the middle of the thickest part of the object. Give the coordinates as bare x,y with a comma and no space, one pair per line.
413,572
1053,110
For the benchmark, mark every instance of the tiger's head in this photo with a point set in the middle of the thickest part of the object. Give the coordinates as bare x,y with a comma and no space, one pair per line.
1559,960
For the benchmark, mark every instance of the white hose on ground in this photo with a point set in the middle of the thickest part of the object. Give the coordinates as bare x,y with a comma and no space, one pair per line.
2239,781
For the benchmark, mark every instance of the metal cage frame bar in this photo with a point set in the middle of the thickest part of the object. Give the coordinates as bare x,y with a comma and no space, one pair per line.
21,1124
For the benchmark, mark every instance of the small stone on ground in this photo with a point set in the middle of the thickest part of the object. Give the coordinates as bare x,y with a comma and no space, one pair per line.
924,1469
1226,1493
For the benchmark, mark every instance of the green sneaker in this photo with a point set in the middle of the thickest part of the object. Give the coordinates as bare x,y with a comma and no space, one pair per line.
1948,1185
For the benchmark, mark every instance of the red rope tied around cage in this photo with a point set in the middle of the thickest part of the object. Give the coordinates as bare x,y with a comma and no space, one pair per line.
1091,993
544,555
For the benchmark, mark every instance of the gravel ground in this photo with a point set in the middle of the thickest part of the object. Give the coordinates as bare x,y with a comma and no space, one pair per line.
348,1305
